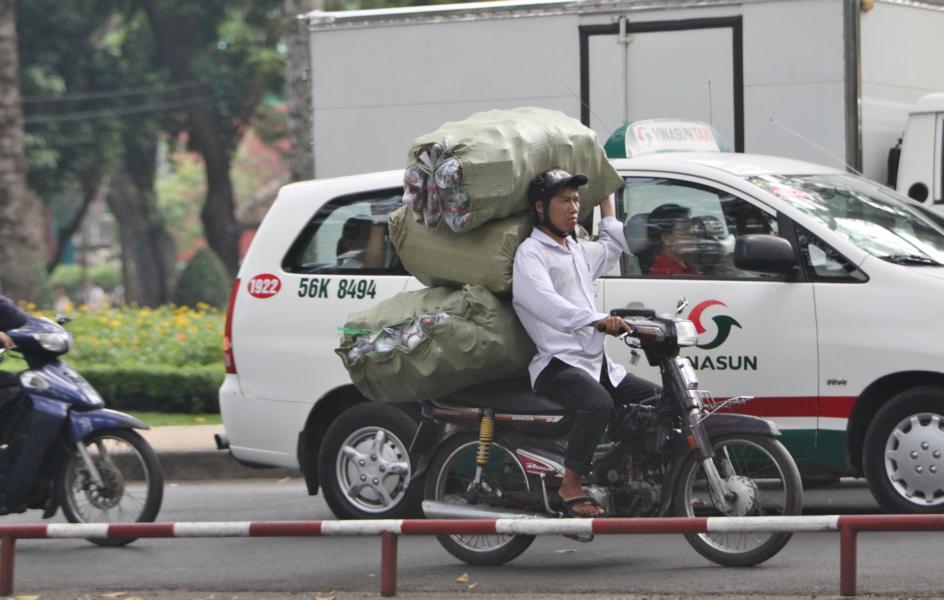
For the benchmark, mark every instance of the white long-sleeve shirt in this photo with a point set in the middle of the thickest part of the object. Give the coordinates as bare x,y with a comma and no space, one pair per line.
552,289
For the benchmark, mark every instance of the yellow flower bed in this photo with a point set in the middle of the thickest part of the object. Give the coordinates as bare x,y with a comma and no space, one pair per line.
170,335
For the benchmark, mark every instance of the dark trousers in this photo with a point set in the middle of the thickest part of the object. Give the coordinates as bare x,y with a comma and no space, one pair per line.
14,407
591,402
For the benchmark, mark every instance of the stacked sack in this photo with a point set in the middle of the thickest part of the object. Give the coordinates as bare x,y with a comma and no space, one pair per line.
466,192
435,341
465,213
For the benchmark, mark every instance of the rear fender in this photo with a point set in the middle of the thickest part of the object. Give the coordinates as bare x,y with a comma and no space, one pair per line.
429,437
84,423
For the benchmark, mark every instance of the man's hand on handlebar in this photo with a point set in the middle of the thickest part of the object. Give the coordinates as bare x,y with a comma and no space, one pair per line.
5,342
613,326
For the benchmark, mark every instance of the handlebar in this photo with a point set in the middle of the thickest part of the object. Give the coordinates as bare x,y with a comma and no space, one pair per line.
647,313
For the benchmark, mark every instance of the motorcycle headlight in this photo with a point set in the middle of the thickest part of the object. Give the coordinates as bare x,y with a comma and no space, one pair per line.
685,332
35,381
58,342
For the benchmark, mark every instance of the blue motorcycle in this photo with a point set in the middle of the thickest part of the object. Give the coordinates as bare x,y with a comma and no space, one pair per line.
69,451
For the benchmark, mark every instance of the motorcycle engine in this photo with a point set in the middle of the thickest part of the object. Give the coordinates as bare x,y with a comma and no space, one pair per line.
638,499
635,491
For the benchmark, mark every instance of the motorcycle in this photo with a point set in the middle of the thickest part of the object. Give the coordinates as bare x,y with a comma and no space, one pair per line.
70,451
494,451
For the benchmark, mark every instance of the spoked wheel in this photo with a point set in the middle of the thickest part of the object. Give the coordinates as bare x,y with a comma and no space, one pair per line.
450,479
130,490
764,477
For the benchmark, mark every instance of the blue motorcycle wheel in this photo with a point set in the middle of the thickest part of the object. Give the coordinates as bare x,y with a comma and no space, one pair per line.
131,488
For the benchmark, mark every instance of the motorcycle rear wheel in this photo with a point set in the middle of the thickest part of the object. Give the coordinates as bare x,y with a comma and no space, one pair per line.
450,474
133,483
765,477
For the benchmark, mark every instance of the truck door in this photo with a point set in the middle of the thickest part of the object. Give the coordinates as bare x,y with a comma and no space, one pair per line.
684,69
757,332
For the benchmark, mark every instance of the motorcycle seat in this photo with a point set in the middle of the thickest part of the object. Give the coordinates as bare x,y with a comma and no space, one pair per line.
505,395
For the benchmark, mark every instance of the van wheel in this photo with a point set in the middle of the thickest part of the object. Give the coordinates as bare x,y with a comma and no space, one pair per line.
364,464
903,456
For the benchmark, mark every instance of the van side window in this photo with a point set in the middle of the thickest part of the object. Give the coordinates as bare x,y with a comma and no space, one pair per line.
680,229
826,263
348,235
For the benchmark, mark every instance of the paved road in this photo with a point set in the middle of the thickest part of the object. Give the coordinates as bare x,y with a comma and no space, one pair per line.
890,564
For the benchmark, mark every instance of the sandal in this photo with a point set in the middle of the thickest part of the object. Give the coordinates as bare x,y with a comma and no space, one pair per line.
570,503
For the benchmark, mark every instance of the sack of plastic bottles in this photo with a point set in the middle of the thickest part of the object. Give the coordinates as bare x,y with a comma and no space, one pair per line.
426,344
467,173
440,257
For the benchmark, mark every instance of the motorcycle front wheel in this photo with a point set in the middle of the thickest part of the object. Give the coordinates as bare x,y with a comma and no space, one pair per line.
131,487
450,479
763,475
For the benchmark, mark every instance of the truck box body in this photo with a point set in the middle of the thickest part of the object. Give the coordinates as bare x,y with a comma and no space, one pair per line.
819,80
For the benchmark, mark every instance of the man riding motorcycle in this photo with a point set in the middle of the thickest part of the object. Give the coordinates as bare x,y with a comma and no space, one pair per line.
553,296
13,405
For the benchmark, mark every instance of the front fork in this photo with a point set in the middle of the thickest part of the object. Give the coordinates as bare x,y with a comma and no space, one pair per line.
89,463
674,372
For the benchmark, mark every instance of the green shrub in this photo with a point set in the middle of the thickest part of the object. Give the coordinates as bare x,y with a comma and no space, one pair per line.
204,279
69,277
168,359
106,277
158,388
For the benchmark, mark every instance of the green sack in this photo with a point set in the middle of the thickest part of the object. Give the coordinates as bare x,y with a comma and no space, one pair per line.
467,173
440,257
481,341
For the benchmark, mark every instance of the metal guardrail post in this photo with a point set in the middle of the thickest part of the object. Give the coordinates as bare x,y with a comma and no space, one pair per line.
388,563
7,550
847,559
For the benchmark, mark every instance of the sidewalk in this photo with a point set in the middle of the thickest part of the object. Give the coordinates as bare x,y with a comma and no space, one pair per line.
188,452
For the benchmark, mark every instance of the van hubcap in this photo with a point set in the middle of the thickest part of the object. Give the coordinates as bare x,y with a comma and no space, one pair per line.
914,459
373,469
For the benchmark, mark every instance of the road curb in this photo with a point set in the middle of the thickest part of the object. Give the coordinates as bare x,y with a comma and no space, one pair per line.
213,464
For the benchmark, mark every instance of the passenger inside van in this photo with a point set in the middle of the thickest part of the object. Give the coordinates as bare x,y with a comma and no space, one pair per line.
361,245
672,241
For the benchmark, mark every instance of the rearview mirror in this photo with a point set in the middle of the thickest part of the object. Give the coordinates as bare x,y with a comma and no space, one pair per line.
765,254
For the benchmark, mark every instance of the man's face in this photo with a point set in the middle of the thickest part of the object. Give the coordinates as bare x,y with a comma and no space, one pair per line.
563,209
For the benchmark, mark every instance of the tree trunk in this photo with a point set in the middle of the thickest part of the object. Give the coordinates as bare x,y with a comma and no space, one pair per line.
298,83
90,192
147,250
22,251
219,215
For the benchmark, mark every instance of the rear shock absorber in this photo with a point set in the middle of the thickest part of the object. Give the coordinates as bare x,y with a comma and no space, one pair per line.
486,435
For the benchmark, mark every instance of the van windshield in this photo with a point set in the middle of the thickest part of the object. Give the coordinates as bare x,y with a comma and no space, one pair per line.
870,216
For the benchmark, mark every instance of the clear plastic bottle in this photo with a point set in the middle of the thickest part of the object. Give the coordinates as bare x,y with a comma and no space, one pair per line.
415,182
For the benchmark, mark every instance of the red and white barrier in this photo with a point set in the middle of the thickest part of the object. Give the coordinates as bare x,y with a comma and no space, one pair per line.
389,531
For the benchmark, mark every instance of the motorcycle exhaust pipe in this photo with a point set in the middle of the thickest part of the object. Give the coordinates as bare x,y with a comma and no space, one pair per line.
445,510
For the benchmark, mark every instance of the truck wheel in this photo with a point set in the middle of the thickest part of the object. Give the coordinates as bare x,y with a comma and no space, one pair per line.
364,464
903,456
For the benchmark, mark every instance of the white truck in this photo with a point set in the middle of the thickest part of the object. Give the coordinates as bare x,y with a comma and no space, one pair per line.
828,81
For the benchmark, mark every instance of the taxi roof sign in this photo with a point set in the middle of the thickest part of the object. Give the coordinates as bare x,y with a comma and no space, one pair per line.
663,135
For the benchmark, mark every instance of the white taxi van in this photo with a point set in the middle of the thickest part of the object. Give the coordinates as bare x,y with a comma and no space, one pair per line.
837,337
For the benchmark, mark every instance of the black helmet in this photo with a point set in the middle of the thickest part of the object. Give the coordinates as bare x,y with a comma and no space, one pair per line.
543,187
548,183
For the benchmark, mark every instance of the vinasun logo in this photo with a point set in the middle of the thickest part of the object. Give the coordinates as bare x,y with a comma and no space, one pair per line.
724,325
